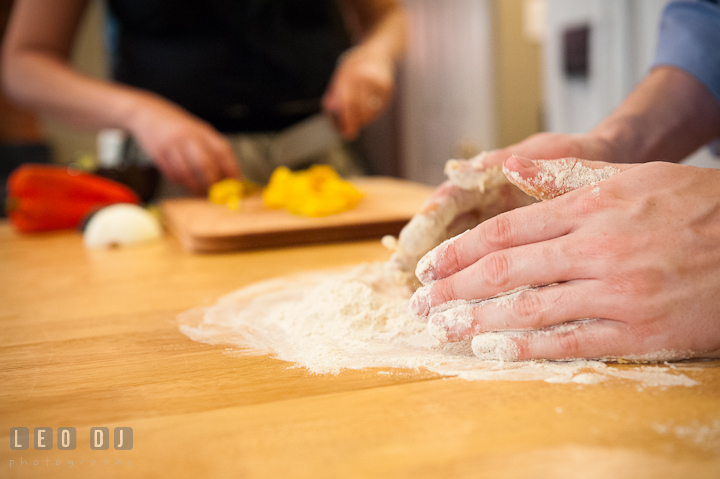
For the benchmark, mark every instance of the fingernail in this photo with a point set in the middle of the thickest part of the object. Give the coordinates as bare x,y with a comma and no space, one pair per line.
524,162
525,168
420,302
494,347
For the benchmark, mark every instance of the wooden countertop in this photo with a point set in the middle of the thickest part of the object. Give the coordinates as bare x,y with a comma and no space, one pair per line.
89,340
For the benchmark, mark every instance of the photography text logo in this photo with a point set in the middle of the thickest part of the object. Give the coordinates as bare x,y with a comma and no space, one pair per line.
43,439
66,438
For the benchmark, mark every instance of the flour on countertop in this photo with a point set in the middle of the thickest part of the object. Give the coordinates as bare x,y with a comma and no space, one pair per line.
358,318
706,435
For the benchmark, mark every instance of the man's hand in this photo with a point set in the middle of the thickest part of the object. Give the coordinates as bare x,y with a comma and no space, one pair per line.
477,190
637,252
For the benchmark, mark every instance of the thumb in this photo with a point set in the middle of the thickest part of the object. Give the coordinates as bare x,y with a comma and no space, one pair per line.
547,179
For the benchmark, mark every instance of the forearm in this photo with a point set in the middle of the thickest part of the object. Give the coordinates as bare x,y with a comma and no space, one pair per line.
36,71
379,26
668,116
45,83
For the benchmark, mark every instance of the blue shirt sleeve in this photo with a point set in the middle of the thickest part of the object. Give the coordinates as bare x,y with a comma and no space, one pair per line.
690,39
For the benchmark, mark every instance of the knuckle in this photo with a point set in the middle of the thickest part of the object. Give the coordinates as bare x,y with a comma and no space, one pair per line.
499,232
568,344
599,198
591,203
529,309
604,246
496,269
646,284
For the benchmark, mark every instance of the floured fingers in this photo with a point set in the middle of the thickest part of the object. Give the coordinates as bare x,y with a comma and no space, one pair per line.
527,308
585,339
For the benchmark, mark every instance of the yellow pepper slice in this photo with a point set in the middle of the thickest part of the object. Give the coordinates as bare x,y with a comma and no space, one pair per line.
317,191
230,192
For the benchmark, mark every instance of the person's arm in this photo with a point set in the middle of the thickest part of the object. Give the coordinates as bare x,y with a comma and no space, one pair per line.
674,111
379,25
37,75
363,82
667,117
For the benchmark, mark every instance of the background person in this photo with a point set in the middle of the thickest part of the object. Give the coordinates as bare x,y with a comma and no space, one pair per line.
187,72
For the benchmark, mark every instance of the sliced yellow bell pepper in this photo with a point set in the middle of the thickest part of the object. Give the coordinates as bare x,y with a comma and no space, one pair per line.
317,191
230,192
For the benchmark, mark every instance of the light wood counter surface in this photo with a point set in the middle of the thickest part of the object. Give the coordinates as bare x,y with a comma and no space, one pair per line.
89,340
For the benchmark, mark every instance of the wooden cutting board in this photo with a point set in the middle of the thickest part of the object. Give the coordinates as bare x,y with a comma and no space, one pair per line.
202,227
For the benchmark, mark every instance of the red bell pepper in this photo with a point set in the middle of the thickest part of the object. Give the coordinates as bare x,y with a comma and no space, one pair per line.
49,197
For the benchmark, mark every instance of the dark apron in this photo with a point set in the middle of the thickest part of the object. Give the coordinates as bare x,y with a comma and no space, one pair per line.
241,65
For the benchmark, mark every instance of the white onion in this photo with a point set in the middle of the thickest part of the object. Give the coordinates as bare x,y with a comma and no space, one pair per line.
120,225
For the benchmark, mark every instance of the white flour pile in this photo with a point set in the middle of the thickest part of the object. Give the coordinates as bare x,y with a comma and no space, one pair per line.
358,318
